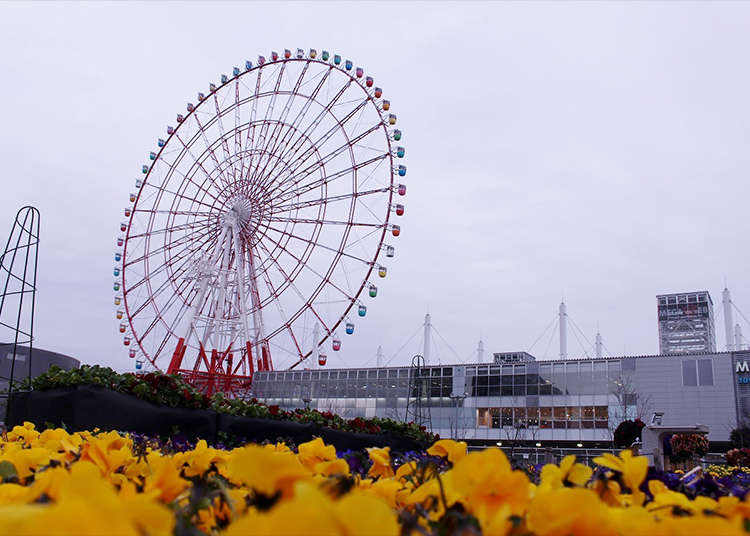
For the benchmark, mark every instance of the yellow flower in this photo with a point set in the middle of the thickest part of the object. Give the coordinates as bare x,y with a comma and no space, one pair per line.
25,460
265,471
109,451
360,514
632,468
164,481
334,467
87,505
309,513
447,448
387,489
567,511
554,477
25,434
381,462
13,494
485,482
277,447
313,452
199,460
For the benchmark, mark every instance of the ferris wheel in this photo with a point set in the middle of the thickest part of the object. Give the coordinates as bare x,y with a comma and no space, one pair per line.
256,234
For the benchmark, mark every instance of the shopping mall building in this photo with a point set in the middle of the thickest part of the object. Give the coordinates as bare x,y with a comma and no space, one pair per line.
560,403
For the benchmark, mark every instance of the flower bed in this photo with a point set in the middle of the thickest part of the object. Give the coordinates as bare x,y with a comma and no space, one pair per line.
107,483
170,391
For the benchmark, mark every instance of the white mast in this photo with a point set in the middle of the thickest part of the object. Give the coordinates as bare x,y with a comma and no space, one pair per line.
427,329
379,357
737,337
563,331
726,299
480,352
598,345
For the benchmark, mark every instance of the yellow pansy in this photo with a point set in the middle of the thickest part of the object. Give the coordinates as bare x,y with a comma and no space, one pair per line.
632,468
265,471
313,452
381,462
566,511
553,477
448,448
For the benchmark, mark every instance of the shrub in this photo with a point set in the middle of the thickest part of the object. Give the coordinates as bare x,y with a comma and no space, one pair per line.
627,432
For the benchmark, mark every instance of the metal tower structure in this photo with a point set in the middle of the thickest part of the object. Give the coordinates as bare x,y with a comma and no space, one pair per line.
686,323
18,265
417,408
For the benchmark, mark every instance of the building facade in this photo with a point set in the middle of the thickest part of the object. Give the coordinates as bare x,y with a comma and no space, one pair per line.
562,402
686,323
25,366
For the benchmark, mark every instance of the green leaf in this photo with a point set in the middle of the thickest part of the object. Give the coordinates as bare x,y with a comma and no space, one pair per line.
8,471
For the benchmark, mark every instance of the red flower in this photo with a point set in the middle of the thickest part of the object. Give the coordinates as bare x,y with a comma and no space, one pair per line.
273,410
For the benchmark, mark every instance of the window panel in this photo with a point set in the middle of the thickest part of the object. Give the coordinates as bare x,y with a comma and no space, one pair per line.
705,372
689,375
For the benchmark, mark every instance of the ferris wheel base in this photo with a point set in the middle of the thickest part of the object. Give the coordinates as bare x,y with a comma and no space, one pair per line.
209,383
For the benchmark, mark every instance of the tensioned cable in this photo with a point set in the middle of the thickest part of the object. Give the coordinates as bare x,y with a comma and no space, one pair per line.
551,336
446,343
575,334
554,319
402,347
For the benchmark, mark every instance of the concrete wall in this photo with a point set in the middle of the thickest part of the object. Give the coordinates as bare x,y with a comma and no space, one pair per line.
660,385
41,360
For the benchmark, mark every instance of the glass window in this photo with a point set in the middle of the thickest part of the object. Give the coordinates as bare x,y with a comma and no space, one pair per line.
495,414
601,412
507,414
559,413
532,416
689,375
588,412
483,417
519,415
705,372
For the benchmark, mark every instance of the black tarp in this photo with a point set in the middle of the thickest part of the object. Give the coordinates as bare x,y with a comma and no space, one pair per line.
87,407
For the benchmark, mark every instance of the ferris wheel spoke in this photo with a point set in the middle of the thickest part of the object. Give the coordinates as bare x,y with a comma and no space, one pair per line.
197,162
318,244
250,138
273,292
311,221
359,240
287,194
180,196
237,133
177,271
209,146
324,160
173,212
306,303
224,143
266,121
311,128
325,200
194,235
289,137
300,262
180,227
156,320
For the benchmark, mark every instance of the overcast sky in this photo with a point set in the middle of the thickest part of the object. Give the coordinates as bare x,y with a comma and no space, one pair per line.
593,150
